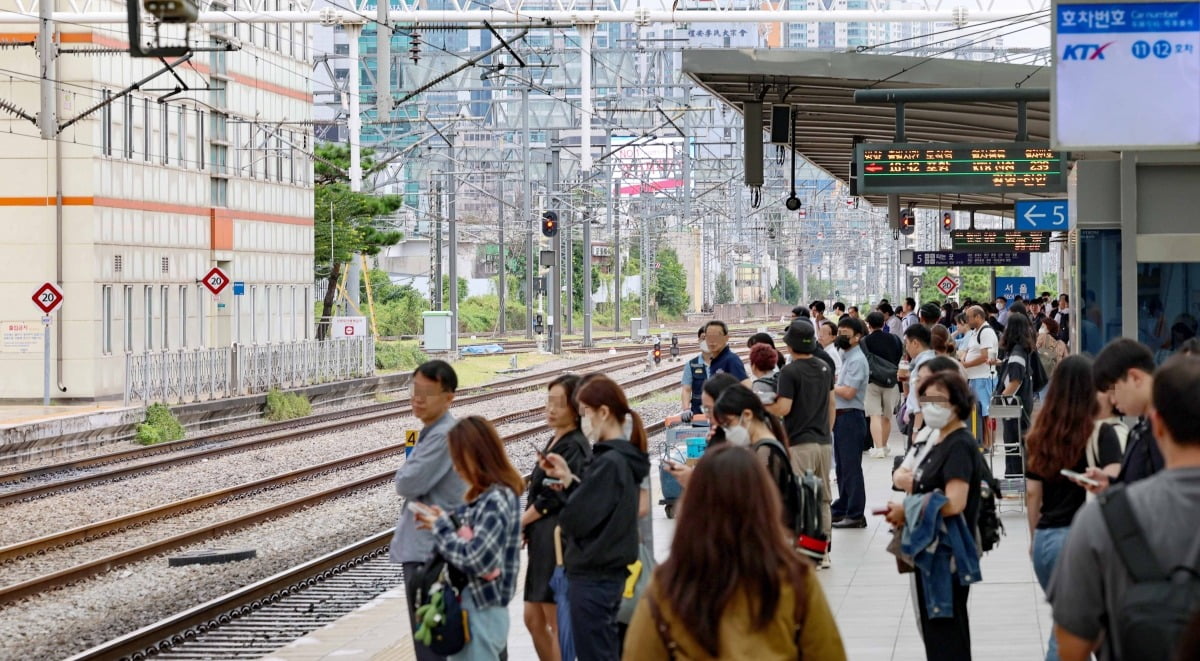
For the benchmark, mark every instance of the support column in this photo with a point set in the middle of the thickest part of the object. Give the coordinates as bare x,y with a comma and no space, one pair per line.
1129,231
586,32
555,293
502,272
452,203
531,262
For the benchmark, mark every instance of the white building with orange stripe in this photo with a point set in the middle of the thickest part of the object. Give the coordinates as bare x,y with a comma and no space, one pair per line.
206,165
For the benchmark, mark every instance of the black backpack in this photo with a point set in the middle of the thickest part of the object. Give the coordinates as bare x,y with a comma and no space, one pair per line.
1155,610
883,371
801,503
991,528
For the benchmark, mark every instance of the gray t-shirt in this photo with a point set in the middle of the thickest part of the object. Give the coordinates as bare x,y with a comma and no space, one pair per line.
1090,580
855,373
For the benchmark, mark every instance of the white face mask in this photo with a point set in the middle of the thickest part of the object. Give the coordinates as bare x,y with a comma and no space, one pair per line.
1042,330
589,430
936,416
704,346
737,435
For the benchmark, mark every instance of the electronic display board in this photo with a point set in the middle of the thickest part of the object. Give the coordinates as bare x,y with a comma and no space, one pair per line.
1000,241
951,167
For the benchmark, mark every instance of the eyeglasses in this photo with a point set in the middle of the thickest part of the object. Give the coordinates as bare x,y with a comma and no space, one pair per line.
706,410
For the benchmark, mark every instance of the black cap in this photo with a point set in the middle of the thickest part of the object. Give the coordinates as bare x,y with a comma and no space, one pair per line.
801,337
931,311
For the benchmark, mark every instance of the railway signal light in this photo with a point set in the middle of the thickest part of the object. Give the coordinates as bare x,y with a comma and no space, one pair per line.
674,346
550,224
947,221
908,222
657,352
538,327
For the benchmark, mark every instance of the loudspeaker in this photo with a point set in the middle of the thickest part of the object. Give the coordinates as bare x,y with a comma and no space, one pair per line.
752,135
781,125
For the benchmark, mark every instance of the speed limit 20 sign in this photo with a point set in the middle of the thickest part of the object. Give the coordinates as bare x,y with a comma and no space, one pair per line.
48,298
216,281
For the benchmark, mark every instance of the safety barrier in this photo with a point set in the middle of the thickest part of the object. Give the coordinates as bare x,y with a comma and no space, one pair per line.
191,375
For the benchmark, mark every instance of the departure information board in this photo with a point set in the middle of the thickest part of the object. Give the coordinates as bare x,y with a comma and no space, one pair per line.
951,167
999,241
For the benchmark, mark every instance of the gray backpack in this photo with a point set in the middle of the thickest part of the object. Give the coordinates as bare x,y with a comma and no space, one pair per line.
1156,609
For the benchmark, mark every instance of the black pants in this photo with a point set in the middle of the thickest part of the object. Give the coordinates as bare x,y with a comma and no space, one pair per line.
594,605
1012,455
946,638
849,428
410,570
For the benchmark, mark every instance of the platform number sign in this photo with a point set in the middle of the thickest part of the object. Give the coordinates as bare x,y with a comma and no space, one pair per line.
216,281
947,285
48,298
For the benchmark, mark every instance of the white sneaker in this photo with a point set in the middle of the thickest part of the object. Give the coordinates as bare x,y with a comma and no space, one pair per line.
825,563
887,451
876,453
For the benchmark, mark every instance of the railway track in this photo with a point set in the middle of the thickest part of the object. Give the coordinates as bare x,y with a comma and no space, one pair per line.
224,443
255,620
33,566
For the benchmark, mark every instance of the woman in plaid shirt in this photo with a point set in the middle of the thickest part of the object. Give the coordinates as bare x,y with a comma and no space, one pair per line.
487,544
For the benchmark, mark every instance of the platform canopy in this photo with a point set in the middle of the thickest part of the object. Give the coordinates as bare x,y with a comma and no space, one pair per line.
821,86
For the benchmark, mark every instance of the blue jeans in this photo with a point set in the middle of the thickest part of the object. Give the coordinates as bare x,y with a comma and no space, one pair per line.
1047,543
489,631
983,389
594,605
849,430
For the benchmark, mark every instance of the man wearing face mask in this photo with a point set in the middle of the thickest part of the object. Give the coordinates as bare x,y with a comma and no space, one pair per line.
695,372
850,427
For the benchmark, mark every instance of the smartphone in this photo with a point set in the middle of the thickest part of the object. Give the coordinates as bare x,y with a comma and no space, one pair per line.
1079,477
550,481
420,508
880,511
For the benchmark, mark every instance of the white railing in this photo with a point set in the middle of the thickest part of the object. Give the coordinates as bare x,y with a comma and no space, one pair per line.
191,375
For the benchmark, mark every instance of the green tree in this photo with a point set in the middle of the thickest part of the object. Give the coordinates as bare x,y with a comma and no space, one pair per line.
577,277
670,285
346,223
462,291
786,290
976,282
724,293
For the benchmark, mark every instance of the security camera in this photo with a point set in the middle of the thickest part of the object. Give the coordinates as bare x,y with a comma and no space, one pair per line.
174,11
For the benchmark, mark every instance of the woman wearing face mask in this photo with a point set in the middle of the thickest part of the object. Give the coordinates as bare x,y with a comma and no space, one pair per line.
747,424
541,517
950,464
599,519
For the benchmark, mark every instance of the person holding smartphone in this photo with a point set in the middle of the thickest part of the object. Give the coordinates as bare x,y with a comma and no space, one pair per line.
483,538
541,516
1065,440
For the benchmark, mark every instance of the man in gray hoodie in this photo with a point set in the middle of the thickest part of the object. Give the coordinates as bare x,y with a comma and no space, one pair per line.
427,477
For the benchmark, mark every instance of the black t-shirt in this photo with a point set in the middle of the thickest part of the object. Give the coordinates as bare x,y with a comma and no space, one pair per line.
1016,368
952,459
1061,497
807,382
885,345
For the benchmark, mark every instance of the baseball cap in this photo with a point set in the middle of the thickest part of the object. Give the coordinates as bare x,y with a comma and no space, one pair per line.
801,337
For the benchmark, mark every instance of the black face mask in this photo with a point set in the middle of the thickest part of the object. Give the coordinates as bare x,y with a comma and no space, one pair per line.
842,342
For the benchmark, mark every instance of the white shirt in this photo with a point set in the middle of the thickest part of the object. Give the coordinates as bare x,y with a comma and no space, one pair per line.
894,326
977,341
836,354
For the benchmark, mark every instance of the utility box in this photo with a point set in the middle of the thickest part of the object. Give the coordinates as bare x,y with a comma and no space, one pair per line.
438,325
639,328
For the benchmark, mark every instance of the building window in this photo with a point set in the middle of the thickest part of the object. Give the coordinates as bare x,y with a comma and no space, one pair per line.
166,317
183,317
118,263
254,314
269,317
181,138
106,123
127,304
308,306
106,316
292,316
166,134
166,265
200,139
149,296
200,301
128,126
146,128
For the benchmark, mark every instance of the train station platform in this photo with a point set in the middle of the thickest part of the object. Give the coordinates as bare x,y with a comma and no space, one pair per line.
32,430
871,601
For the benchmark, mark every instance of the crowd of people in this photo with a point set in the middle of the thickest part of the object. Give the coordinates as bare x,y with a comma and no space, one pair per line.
1110,463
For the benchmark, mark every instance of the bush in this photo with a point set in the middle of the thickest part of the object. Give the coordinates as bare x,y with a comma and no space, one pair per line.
398,355
160,426
286,405
481,314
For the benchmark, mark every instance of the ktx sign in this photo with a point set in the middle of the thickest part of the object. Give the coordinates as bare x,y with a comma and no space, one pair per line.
1085,51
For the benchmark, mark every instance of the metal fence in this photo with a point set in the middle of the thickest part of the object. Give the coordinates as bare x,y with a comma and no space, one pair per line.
190,375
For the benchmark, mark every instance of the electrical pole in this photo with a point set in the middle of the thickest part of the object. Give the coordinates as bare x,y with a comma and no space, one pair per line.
383,60
531,262
568,264
586,31
611,191
452,202
555,294
47,53
501,270
437,242
354,128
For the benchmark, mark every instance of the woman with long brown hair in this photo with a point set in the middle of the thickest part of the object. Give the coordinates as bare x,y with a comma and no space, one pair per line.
1066,435
599,519
733,587
483,538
